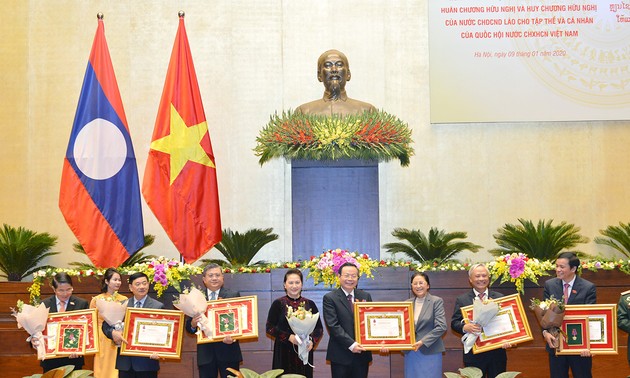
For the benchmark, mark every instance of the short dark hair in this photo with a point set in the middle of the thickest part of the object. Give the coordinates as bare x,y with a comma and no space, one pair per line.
61,278
211,266
420,274
293,271
107,276
137,275
574,261
348,264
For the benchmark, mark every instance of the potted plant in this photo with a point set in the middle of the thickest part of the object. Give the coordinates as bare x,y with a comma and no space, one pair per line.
617,237
438,246
22,251
240,249
542,241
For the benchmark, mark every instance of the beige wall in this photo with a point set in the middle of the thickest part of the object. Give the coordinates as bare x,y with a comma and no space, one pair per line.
256,57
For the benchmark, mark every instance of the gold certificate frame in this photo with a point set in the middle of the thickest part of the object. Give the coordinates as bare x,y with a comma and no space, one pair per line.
384,324
240,310
509,326
70,338
574,337
602,325
149,331
89,317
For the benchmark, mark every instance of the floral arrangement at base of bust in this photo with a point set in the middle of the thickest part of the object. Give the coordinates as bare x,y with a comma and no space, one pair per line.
374,135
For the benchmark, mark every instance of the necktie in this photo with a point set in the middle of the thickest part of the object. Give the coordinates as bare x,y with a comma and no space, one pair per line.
350,302
481,295
62,306
138,304
213,295
566,293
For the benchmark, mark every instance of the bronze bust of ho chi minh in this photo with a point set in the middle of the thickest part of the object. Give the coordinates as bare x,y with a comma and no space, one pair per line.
334,71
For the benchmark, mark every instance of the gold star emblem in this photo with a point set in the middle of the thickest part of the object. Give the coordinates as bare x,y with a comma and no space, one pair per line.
183,144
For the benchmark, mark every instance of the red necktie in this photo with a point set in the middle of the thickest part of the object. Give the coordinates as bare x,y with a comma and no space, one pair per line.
566,293
481,295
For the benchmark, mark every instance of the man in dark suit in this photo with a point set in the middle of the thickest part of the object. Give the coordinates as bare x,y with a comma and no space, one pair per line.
348,359
132,366
62,301
215,358
492,362
574,291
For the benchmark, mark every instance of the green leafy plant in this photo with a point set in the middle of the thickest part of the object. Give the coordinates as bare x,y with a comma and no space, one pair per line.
542,241
22,250
240,249
64,372
137,258
374,135
438,246
617,237
473,372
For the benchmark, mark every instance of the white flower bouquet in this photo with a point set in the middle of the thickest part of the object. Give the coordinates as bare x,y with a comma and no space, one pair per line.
112,312
483,313
192,303
33,320
302,323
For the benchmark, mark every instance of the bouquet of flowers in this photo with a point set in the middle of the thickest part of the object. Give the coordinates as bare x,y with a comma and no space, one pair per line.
302,323
112,311
33,320
550,314
325,267
192,303
483,313
516,268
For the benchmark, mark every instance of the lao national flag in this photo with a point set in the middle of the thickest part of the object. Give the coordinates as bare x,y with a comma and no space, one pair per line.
180,181
100,194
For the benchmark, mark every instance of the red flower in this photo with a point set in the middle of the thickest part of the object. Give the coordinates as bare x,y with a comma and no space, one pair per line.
297,265
267,270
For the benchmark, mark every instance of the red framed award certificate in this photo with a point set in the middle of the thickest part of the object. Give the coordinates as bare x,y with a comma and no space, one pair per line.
574,337
150,331
384,324
90,336
70,338
602,325
234,317
510,325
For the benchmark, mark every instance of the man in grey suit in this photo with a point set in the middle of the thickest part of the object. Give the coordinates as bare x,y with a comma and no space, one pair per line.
132,366
573,290
348,359
214,358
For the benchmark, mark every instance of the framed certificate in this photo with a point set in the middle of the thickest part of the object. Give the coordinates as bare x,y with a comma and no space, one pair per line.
384,324
574,337
88,317
236,317
149,331
509,326
602,325
70,338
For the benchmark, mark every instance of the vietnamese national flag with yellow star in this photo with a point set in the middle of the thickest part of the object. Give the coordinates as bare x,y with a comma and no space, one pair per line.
100,193
180,181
